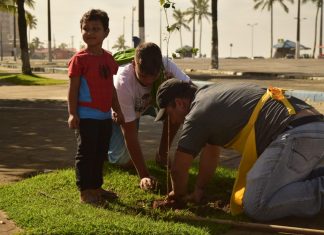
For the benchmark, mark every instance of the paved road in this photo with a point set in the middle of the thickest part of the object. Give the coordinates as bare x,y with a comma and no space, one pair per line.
311,67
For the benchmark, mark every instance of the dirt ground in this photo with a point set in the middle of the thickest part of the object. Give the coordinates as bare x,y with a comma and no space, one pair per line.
34,136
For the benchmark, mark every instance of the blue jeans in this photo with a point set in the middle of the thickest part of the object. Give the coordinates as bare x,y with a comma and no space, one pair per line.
118,152
282,182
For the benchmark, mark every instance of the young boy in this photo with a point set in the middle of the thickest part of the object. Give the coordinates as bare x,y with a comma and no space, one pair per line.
134,84
90,98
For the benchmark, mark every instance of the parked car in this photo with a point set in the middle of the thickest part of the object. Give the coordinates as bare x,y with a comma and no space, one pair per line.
290,56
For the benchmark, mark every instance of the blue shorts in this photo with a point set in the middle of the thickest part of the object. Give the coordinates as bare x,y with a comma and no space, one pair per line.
118,152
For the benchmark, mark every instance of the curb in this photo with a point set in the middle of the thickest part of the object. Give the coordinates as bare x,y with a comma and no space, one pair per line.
283,75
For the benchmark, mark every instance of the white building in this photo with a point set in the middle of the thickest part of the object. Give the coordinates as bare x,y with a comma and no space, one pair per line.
6,28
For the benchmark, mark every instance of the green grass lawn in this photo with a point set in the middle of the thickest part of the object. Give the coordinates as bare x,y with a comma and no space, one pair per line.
49,204
22,79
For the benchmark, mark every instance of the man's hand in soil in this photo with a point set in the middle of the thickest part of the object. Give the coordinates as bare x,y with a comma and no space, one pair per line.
196,196
171,202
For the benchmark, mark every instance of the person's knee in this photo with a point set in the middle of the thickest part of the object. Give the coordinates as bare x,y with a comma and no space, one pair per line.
254,209
262,212
252,212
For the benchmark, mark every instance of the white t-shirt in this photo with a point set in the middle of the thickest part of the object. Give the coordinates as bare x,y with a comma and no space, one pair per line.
134,98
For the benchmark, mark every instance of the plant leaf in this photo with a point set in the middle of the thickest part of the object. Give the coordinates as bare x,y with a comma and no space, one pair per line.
166,5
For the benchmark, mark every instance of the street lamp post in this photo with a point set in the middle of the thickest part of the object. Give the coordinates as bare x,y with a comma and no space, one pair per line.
231,45
252,37
124,26
133,9
298,31
1,43
160,28
49,31
72,42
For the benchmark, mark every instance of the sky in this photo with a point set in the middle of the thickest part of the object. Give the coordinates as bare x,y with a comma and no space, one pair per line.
233,29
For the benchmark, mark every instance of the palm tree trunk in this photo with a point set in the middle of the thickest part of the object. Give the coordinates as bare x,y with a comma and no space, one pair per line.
180,38
26,69
1,43
200,34
14,33
214,52
315,36
321,30
141,20
271,29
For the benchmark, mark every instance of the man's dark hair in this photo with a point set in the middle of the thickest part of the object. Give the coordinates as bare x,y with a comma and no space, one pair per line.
171,89
148,57
187,94
96,14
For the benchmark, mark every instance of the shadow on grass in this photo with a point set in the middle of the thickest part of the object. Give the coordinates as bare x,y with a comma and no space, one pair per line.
27,80
7,73
215,205
15,74
56,193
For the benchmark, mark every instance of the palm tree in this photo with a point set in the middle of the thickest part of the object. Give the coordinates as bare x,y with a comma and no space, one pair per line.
202,12
34,45
269,5
31,23
120,44
214,51
192,12
318,7
63,46
179,16
26,69
37,43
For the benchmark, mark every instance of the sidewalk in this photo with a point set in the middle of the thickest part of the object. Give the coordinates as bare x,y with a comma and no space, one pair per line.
302,68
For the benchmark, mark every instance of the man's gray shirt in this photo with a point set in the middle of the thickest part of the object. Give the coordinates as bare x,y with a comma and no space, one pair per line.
219,112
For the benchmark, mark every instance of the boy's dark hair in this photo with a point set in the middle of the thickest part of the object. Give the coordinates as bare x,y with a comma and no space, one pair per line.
96,14
148,57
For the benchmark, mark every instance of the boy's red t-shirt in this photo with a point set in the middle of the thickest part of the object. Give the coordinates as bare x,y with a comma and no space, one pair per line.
98,71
